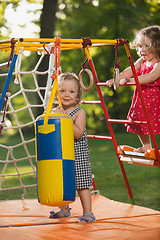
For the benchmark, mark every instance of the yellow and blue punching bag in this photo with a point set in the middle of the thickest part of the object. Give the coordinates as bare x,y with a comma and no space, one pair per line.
55,160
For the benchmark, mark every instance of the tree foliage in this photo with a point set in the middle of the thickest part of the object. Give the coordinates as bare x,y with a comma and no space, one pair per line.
97,19
105,19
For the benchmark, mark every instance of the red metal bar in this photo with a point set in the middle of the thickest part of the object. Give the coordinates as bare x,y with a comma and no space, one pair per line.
99,137
143,103
93,183
105,84
126,121
110,127
90,102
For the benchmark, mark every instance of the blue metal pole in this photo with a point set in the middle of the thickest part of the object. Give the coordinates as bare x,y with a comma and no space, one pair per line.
10,72
8,80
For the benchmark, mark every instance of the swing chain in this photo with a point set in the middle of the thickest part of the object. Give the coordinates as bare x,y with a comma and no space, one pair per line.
46,48
11,54
86,42
120,42
2,124
117,64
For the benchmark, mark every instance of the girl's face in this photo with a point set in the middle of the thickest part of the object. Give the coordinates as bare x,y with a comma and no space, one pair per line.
144,49
68,92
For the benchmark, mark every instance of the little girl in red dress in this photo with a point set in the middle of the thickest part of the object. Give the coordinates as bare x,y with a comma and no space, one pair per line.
147,43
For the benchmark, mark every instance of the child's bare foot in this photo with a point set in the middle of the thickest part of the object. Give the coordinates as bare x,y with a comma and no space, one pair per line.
142,149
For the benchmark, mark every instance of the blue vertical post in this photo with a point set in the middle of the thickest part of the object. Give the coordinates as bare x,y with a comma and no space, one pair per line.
10,73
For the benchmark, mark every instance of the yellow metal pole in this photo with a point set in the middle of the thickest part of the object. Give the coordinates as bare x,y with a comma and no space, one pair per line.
51,99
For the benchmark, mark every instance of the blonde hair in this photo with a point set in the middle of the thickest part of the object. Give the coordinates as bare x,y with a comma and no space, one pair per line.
72,76
151,32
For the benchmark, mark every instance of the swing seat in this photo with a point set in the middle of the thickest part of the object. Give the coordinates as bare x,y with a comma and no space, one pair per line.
150,153
127,154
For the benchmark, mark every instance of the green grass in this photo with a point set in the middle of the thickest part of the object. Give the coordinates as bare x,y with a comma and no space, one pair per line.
144,181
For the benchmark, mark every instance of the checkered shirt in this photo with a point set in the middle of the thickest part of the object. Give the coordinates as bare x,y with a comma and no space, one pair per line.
82,163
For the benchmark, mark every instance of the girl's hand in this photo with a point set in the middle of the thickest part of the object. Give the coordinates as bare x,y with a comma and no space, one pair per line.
123,81
110,82
58,109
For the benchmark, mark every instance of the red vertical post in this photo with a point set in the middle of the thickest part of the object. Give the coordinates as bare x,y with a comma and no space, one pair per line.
143,102
109,124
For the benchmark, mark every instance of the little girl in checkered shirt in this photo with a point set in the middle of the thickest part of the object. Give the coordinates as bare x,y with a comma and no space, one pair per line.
71,95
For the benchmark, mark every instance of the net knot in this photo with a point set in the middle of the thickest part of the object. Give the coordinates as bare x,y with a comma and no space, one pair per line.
54,75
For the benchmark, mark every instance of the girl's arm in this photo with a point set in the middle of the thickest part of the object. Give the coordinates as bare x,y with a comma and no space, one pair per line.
80,121
146,78
58,109
80,124
126,73
152,76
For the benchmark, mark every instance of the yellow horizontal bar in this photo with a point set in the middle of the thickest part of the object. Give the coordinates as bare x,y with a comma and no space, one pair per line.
8,41
69,40
38,39
62,40
34,44
5,45
65,46
68,47
33,49
52,40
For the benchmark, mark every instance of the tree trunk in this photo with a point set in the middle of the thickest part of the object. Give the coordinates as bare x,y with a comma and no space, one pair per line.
47,21
47,26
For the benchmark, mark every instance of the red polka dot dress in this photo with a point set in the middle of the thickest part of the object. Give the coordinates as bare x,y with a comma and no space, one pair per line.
151,94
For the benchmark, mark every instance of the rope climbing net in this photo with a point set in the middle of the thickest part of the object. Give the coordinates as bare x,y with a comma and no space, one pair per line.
20,109
20,99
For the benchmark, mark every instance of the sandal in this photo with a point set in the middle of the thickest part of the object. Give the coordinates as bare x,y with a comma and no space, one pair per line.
86,218
56,214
